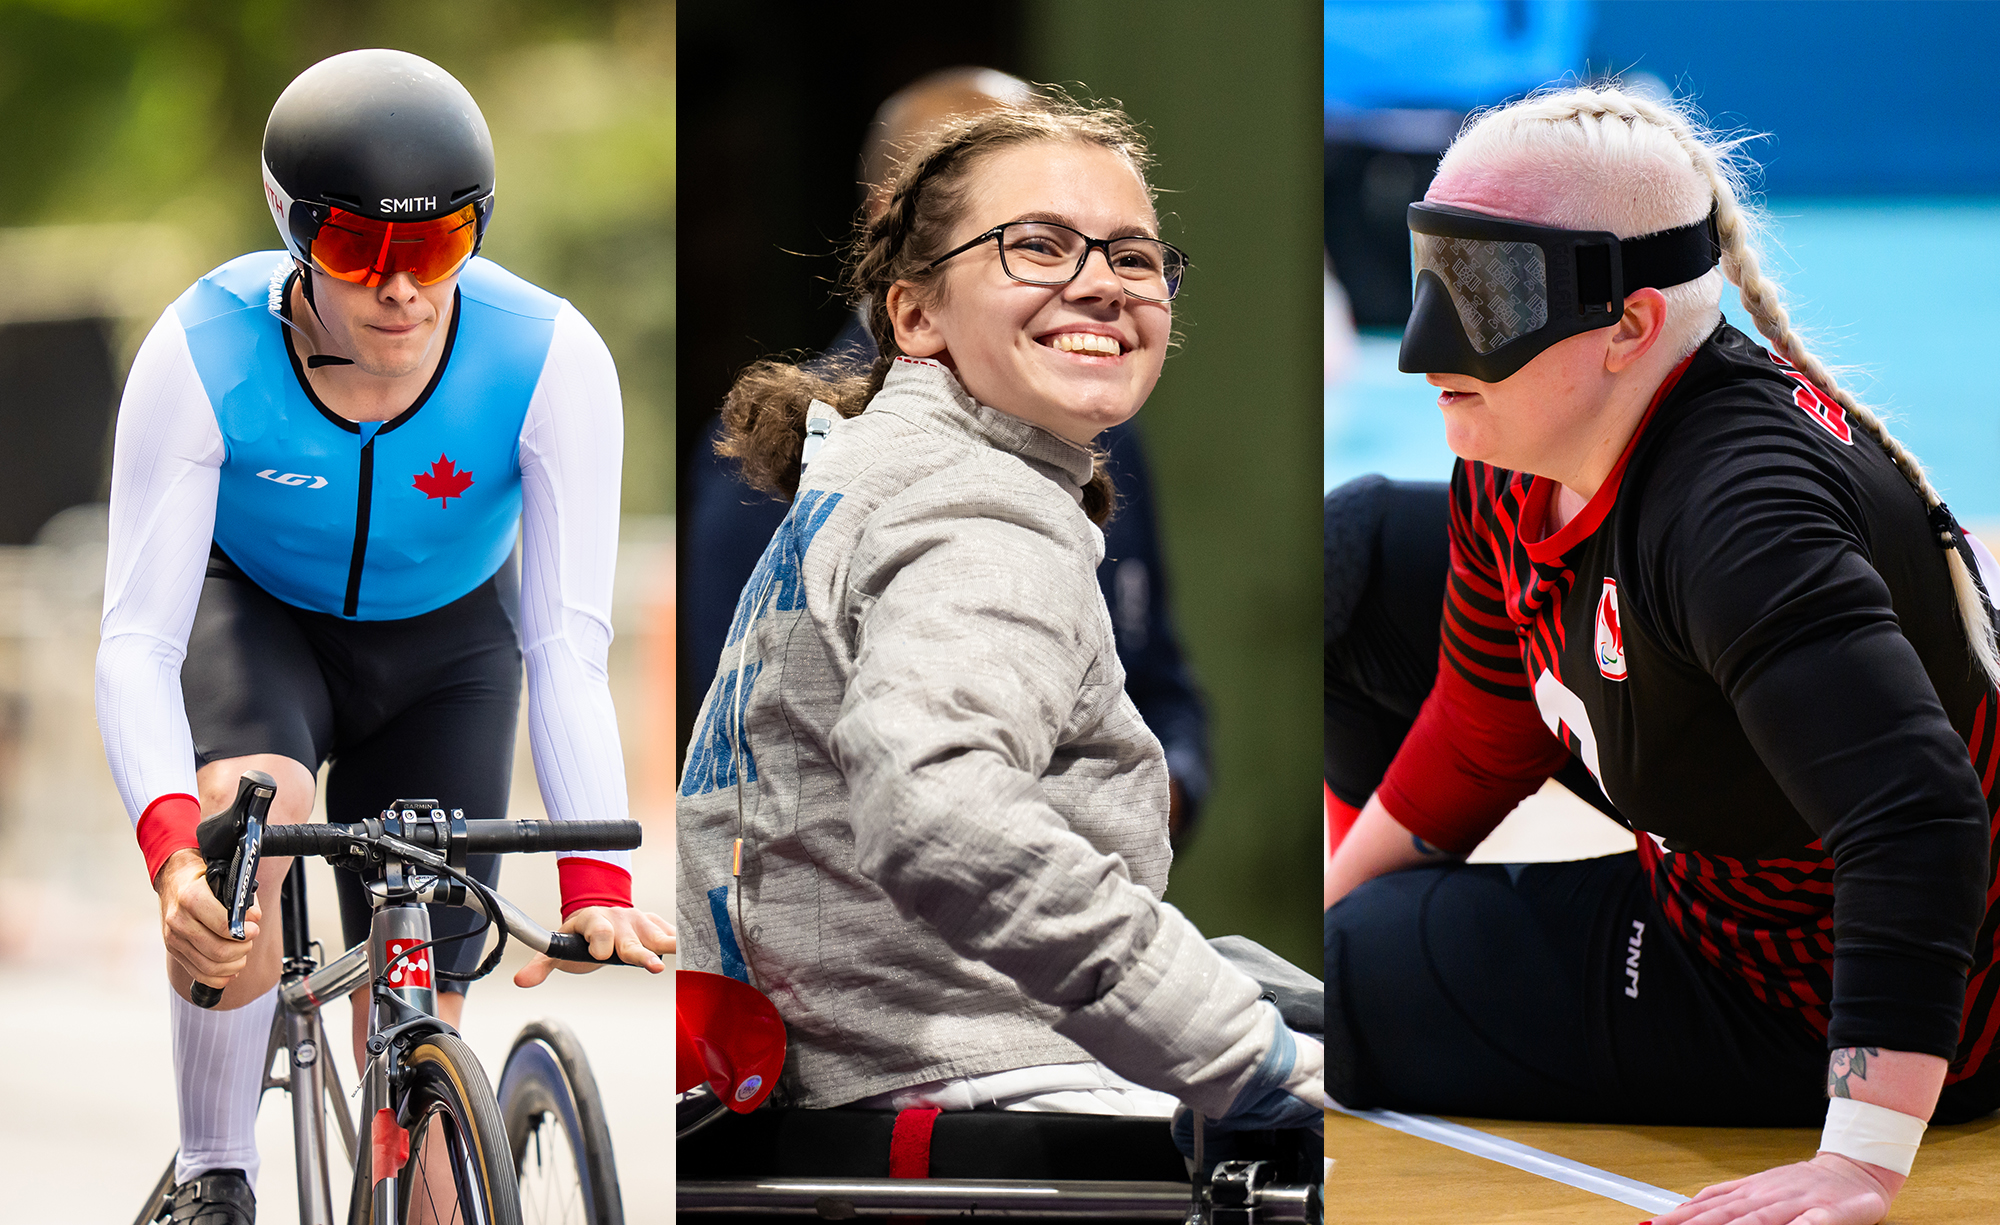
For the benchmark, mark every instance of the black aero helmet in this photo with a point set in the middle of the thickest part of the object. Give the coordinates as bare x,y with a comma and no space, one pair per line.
366,143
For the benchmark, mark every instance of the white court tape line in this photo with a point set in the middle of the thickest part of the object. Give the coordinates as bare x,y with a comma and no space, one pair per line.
1521,1157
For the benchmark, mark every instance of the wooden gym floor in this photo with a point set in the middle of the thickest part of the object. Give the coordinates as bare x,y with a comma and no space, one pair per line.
1381,1176
1384,1177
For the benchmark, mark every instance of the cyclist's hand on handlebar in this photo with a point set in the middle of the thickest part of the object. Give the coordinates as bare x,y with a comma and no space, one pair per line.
194,925
635,935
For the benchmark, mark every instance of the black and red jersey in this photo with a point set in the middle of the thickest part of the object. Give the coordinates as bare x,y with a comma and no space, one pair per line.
1749,635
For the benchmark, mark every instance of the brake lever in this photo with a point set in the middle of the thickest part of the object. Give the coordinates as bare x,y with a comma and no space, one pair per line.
252,854
232,846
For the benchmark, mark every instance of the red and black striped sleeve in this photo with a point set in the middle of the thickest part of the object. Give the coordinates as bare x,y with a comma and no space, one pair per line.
1478,638
1478,746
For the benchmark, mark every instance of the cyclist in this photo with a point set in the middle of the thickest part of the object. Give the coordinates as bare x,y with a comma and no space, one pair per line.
919,810
323,457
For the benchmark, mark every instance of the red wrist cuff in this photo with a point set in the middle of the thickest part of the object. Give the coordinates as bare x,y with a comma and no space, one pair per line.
167,826
592,882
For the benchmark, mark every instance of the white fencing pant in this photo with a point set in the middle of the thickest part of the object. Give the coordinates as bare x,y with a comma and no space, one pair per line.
1056,1088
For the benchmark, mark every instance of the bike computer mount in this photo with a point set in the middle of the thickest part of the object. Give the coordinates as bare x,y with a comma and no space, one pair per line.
392,879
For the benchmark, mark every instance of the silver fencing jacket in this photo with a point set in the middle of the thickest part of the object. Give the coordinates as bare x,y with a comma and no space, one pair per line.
954,821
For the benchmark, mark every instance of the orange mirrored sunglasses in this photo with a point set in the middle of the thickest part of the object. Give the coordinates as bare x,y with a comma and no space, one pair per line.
365,251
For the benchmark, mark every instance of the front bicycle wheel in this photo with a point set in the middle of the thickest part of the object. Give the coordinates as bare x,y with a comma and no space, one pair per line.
458,1171
556,1131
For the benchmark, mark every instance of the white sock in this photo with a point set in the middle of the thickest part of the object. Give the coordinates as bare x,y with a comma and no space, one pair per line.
220,1078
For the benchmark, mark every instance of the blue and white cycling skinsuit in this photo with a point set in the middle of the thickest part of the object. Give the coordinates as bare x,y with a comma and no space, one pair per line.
218,440
359,529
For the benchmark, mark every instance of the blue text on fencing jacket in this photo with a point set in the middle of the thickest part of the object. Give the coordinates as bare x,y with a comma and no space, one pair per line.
378,520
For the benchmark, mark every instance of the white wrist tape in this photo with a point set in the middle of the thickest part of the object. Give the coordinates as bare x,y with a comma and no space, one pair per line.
1871,1133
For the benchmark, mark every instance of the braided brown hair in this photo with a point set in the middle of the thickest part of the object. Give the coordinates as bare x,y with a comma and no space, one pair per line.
764,416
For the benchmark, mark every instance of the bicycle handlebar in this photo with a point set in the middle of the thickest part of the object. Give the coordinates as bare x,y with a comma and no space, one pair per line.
232,854
568,946
481,837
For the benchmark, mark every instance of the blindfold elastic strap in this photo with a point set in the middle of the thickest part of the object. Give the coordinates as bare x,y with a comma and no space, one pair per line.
1671,257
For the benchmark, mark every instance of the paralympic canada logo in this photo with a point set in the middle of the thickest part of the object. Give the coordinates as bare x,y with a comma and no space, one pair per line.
444,481
1610,634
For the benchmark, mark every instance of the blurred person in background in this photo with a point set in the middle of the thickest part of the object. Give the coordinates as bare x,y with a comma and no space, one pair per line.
919,810
1706,573
729,523
324,457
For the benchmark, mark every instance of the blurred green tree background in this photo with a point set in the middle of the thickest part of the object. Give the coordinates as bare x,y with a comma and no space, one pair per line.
130,130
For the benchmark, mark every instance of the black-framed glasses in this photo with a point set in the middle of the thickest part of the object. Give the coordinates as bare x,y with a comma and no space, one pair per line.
1046,253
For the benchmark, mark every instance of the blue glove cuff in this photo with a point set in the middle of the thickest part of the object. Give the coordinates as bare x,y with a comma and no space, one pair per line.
1264,1102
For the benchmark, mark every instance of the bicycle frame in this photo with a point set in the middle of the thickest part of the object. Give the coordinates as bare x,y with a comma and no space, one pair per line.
305,986
407,861
296,1029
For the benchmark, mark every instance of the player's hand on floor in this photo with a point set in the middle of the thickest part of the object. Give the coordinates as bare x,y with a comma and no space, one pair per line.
1828,1190
636,935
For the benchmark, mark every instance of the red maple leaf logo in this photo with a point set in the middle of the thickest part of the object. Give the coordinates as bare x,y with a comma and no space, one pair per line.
443,482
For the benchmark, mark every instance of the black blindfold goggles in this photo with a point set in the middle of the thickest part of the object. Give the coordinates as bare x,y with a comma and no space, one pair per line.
1492,293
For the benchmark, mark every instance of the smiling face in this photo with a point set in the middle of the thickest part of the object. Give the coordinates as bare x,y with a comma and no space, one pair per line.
388,331
1073,359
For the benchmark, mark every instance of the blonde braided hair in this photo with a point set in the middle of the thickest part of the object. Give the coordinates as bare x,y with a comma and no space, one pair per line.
1602,123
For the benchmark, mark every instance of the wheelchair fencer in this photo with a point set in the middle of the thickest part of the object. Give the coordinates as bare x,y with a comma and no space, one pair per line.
740,1155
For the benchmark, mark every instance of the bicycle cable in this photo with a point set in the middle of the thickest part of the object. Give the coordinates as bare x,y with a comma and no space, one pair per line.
489,904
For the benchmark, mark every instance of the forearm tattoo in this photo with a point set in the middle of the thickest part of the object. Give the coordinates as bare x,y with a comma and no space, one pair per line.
1848,1062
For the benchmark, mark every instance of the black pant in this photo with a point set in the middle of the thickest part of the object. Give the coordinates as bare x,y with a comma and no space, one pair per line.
419,708
1550,991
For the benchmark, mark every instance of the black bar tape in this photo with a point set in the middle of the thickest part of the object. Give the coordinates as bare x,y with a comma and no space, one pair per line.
481,837
281,840
501,837
568,946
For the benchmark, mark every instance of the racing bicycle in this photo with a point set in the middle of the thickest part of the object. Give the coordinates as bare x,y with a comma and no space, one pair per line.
432,1142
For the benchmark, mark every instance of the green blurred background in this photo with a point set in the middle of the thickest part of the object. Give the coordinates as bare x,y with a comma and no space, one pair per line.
775,99
141,120
1231,431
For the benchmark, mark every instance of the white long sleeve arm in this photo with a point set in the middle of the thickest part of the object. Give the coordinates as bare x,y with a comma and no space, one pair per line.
572,444
165,467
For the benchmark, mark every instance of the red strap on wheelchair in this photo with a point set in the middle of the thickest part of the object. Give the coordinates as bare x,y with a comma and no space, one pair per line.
910,1143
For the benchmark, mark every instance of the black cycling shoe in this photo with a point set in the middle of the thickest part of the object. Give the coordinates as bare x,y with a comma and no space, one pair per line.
213,1197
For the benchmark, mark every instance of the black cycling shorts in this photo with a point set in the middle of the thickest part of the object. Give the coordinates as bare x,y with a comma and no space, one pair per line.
422,707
